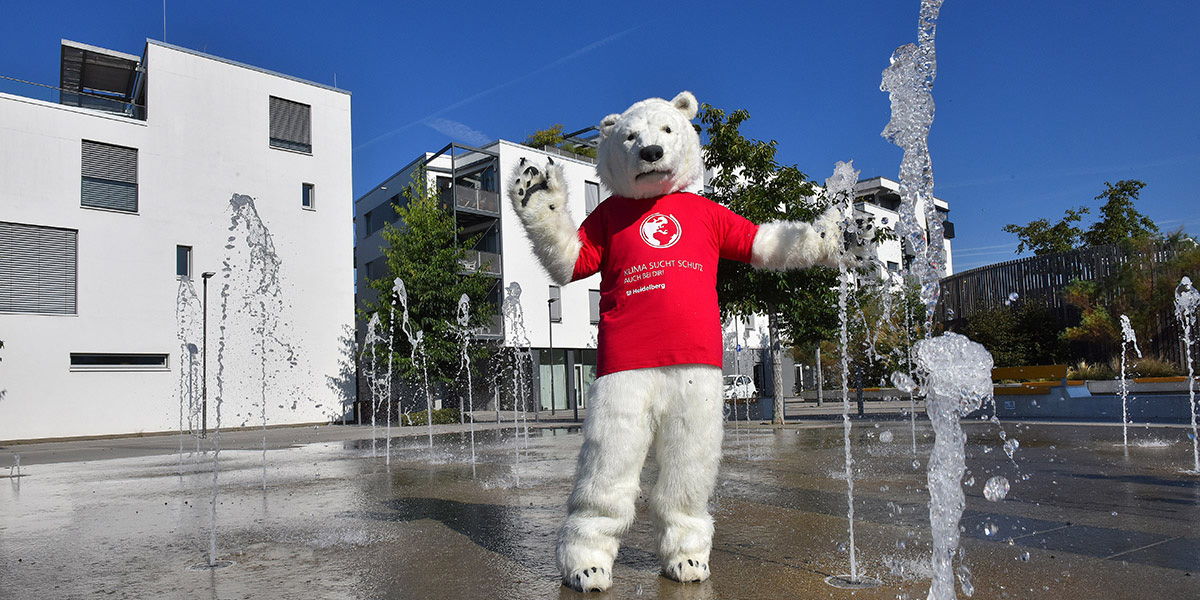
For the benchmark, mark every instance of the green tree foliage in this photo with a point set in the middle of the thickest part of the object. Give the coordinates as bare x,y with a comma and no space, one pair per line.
1097,336
1042,237
799,303
1021,333
551,136
422,251
1119,221
751,183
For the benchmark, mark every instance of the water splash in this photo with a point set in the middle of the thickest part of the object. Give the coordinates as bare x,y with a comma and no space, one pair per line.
840,188
1187,299
415,339
464,319
1127,338
957,379
372,341
188,322
514,315
909,81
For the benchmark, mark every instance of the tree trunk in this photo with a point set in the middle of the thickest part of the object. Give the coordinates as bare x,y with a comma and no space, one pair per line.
776,368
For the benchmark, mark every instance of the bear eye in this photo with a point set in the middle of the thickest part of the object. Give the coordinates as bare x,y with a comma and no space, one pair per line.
666,129
631,137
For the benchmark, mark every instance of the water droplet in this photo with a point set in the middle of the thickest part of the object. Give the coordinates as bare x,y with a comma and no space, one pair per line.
970,482
638,591
995,489
885,437
1024,557
916,464
1114,513
1011,446
1013,297
991,529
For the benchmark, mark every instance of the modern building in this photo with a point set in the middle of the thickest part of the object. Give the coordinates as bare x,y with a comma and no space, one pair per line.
117,186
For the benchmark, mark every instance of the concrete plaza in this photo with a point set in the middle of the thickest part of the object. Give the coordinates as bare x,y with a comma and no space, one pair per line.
127,517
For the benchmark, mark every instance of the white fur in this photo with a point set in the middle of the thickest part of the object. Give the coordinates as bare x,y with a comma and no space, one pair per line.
680,410
551,232
652,122
791,245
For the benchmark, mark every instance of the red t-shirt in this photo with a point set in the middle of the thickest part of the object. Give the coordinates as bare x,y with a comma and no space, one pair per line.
657,258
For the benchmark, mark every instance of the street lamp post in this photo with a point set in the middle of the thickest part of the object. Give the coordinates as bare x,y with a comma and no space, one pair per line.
550,327
204,360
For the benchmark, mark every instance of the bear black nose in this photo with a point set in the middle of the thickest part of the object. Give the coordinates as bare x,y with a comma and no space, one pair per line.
651,153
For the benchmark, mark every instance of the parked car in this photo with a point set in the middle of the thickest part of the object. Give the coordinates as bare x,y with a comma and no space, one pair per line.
739,386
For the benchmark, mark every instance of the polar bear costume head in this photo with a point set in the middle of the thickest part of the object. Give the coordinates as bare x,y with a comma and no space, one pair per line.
651,149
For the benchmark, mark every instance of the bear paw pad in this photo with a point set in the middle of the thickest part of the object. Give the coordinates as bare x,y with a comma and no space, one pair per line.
530,181
686,570
591,579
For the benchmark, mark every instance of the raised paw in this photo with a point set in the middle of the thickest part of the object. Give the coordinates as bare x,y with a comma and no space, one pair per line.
590,579
535,189
686,570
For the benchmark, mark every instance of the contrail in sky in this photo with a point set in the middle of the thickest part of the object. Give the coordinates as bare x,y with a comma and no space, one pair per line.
496,88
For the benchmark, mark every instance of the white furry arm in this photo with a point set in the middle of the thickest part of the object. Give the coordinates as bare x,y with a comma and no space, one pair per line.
539,197
783,245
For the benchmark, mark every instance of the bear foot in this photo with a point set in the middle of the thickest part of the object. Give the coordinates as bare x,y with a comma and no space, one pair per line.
685,569
590,579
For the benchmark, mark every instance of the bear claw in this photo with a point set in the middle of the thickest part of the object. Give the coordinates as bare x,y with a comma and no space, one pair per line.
590,579
687,570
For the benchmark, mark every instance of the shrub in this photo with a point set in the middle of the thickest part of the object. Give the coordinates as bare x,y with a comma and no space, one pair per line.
441,416
1092,371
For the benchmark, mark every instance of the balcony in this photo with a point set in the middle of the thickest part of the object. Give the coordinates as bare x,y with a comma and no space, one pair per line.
487,263
469,198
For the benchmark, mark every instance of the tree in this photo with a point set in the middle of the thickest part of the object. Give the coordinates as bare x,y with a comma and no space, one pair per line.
424,253
1119,220
1043,238
1021,333
800,304
551,136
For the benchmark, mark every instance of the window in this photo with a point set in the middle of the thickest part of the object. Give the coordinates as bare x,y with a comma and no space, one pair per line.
37,269
594,305
86,361
109,177
183,262
892,266
308,196
591,191
556,304
291,125
378,268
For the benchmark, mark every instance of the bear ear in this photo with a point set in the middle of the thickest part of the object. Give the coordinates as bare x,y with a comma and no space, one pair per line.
606,126
685,102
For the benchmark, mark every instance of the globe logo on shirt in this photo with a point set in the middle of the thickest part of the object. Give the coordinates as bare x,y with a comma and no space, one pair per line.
660,231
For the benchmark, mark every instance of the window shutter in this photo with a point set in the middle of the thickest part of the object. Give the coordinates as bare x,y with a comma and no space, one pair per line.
291,125
109,177
37,269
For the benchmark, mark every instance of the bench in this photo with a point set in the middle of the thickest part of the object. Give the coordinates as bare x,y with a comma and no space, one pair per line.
1057,374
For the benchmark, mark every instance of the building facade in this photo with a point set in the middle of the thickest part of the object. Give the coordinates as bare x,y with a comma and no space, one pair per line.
117,188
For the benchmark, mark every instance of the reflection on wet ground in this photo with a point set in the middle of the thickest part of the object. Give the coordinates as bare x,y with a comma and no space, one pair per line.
1085,518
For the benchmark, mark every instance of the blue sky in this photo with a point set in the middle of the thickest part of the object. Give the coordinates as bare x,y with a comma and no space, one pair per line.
1038,102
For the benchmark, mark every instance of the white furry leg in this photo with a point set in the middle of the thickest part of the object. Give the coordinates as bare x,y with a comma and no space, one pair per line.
688,451
616,437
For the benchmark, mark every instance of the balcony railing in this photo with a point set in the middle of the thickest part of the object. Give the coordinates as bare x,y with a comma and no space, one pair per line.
483,262
478,200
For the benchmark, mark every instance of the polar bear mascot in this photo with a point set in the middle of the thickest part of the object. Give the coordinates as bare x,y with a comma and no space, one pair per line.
659,355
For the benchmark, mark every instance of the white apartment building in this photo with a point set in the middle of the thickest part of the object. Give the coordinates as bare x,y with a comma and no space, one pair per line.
116,186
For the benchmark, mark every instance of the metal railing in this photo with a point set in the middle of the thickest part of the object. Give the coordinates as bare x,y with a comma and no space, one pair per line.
483,262
57,95
473,199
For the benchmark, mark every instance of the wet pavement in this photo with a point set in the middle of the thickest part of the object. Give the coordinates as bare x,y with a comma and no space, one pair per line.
126,518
